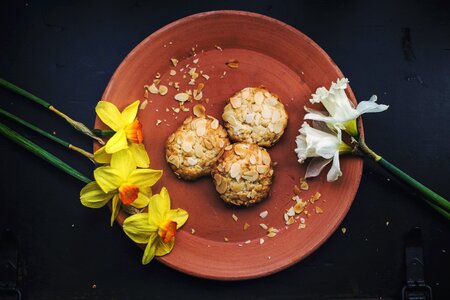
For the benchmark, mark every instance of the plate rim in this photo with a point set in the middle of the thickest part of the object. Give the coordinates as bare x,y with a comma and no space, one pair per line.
193,18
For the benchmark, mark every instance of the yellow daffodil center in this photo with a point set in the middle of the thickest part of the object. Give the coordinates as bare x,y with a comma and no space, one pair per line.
167,230
134,132
128,193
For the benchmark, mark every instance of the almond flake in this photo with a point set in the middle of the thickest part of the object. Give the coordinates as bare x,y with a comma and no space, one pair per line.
143,105
192,230
158,122
235,218
163,90
153,89
271,234
303,184
156,81
261,241
225,239
174,61
205,76
318,210
246,226
218,47
247,242
299,207
172,72
195,60
158,75
200,87
182,97
264,214
315,197
198,96
290,212
232,63
199,110
290,221
301,226
263,226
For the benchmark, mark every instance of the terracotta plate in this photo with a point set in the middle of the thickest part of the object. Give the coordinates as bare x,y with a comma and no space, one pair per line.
288,63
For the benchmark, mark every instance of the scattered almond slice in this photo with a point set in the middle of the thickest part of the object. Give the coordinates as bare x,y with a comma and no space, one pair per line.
182,97
173,72
261,241
290,212
143,104
247,242
264,214
232,63
174,61
156,81
263,226
318,210
303,184
195,60
246,226
205,76
290,221
158,75
271,234
199,110
301,226
218,47
163,90
315,197
235,218
299,207
153,89
158,122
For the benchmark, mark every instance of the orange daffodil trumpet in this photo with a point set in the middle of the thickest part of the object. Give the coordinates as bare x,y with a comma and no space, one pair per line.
129,133
122,182
157,227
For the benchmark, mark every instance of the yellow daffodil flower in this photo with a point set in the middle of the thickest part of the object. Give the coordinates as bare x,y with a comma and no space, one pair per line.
122,183
125,124
157,227
137,151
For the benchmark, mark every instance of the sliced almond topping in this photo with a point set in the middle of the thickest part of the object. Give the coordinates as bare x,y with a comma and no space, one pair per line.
158,75
271,234
318,210
315,197
263,226
232,63
201,127
235,170
240,149
182,97
290,221
198,96
192,161
173,72
174,61
187,147
251,175
199,110
205,76
299,207
261,241
208,144
262,169
222,187
301,226
265,158
247,242
158,122
218,47
290,212
235,102
253,160
235,218
229,147
195,60
259,98
215,124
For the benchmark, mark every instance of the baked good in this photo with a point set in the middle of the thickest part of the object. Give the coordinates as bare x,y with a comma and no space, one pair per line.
243,174
195,146
255,115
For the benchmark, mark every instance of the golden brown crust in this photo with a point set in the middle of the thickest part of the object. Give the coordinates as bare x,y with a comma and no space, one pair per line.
243,174
195,146
255,115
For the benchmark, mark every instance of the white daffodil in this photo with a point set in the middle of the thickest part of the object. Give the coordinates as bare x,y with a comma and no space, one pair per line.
341,112
323,146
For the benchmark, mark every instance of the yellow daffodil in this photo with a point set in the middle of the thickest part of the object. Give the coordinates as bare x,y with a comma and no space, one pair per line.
125,124
137,151
122,183
157,227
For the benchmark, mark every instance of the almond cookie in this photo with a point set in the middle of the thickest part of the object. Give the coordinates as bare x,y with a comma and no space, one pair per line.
195,146
255,115
243,174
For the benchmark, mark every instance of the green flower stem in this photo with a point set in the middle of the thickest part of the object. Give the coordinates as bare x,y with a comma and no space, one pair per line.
438,202
75,124
37,150
46,134
103,133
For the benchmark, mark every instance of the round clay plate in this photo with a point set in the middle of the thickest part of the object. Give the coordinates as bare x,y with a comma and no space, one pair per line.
270,53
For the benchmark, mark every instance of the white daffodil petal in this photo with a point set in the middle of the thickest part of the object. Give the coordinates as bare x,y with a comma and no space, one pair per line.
335,170
316,166
370,107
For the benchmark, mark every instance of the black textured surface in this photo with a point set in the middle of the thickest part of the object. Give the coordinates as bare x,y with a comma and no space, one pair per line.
66,51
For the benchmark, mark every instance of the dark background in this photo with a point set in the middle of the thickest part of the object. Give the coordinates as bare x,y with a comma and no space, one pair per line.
66,52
